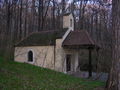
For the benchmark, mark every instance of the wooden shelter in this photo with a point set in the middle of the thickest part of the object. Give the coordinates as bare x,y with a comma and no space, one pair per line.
80,39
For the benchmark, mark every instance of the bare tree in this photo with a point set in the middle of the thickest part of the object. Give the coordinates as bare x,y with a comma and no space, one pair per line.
114,77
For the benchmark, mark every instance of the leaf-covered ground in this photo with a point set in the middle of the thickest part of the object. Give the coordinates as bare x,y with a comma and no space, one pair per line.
21,76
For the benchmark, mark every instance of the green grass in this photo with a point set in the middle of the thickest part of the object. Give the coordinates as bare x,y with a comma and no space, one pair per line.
21,76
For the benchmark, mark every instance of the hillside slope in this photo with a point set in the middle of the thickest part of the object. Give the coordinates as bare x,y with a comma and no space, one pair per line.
21,76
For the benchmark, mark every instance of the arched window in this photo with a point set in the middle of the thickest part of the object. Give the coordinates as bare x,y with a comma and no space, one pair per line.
30,56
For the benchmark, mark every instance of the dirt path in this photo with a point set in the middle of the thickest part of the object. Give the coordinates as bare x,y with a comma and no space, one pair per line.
95,76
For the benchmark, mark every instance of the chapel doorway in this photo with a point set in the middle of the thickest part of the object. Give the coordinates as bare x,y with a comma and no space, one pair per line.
68,62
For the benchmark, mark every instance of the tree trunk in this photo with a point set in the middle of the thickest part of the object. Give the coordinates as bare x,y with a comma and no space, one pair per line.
114,77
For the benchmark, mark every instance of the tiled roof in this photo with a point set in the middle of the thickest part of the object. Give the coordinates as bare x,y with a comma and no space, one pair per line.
74,39
42,38
78,38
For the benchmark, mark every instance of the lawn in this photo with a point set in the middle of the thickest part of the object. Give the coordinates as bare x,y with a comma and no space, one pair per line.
21,76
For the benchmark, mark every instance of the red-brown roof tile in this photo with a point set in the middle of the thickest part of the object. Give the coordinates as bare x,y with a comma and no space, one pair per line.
79,38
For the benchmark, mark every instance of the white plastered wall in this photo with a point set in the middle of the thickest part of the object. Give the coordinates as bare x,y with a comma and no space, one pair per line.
60,62
42,55
66,22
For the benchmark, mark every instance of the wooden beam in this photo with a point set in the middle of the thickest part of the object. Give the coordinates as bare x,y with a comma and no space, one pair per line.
90,63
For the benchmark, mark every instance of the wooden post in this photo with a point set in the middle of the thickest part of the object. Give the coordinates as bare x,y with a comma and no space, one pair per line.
90,63
97,57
